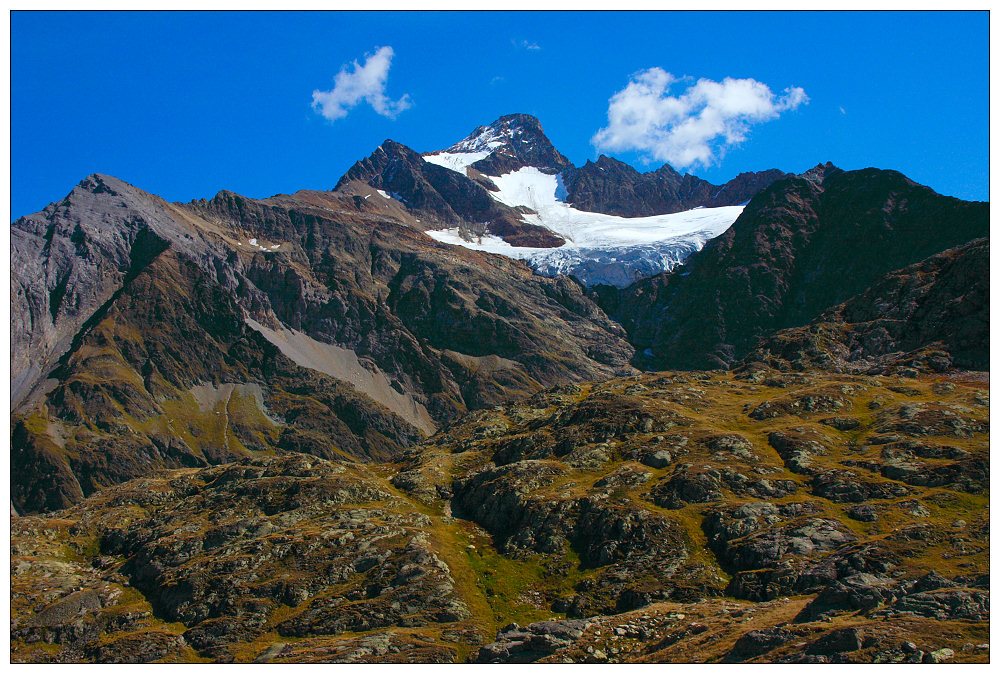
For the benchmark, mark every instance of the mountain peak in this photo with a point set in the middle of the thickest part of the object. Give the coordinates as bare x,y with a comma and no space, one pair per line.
510,143
98,182
390,146
501,132
519,119
820,172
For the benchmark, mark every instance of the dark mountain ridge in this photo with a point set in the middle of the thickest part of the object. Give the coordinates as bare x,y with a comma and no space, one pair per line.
611,186
802,245
931,316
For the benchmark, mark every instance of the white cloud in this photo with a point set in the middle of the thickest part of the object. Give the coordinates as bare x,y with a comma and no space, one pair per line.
362,83
694,127
524,44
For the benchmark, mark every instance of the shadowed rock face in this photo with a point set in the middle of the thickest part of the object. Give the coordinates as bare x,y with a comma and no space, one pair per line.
800,247
124,305
611,186
930,316
424,187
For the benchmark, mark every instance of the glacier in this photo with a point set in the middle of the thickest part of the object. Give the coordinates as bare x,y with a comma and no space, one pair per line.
600,249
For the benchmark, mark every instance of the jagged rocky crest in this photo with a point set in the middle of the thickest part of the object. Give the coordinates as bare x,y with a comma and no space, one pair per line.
611,186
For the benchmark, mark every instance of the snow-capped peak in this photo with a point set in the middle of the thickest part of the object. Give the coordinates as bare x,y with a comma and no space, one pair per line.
509,143
527,172
479,145
506,131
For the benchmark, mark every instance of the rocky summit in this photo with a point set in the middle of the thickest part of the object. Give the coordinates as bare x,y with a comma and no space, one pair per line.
446,413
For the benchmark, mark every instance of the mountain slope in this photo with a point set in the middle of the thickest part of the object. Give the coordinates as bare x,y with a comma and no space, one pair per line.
338,326
70,259
933,315
801,246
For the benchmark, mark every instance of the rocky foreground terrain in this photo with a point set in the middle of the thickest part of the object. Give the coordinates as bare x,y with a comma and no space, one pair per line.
749,516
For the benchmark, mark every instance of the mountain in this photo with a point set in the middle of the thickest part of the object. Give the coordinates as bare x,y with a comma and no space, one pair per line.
604,223
801,246
328,321
339,329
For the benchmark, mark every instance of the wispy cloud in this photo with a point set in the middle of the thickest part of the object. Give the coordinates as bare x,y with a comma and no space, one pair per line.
694,127
356,83
842,111
525,44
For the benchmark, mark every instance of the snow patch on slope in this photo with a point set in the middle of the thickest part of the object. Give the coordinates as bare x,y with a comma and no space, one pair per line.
253,243
479,146
487,140
456,161
601,264
599,249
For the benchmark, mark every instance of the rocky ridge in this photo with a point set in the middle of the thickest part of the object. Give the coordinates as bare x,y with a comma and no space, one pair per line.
800,247
611,186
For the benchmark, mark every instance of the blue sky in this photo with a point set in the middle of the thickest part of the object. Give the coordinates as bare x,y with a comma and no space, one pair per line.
184,105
